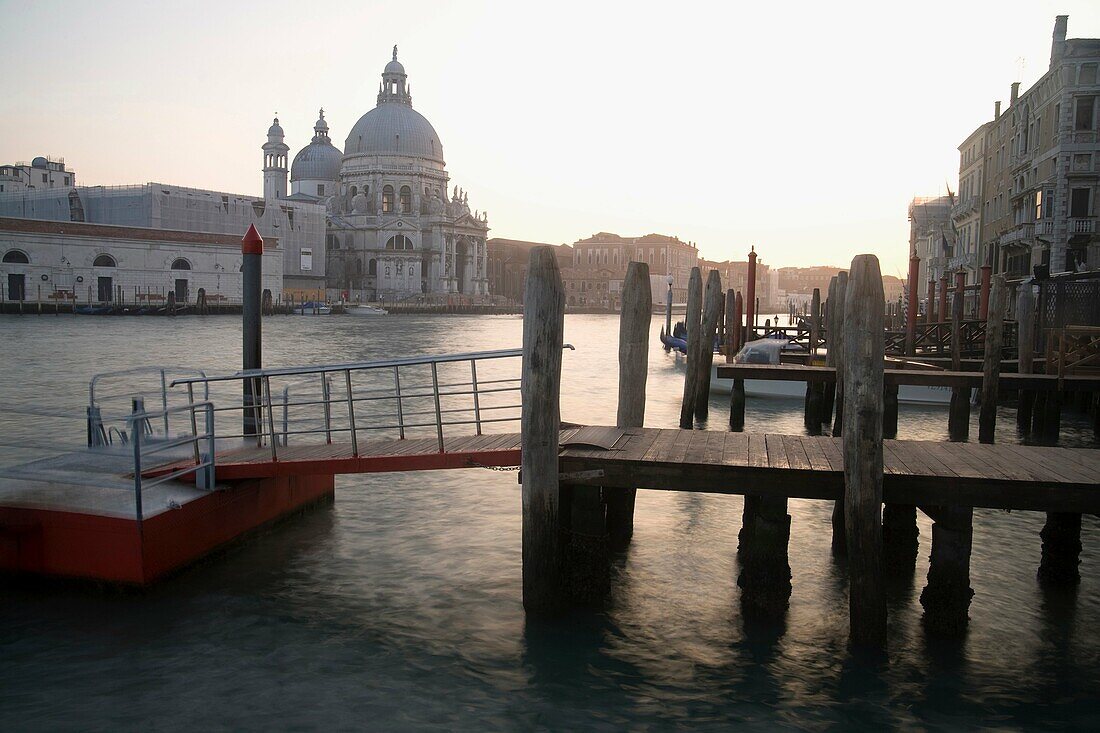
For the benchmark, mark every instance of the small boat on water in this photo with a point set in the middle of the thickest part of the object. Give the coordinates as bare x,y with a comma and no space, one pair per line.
768,351
365,310
312,308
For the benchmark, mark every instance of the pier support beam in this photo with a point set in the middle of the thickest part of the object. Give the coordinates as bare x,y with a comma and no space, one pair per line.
765,577
543,330
634,321
946,597
1061,537
864,345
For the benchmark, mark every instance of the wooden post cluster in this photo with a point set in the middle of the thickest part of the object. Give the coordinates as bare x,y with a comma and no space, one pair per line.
991,373
543,331
863,348
634,321
692,321
702,360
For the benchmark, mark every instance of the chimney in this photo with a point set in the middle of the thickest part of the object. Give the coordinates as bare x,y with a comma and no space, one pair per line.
1015,93
1058,43
997,110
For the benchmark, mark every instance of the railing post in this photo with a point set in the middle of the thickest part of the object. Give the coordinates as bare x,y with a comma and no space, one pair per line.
438,412
164,400
96,434
326,396
477,405
286,414
137,410
194,424
400,408
351,414
270,418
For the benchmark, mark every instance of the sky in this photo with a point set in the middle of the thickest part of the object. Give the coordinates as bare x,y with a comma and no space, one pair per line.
803,129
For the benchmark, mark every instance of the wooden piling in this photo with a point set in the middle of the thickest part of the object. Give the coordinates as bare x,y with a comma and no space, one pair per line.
704,358
958,419
814,395
634,320
1061,537
991,377
911,310
765,571
737,392
946,597
692,321
831,330
864,346
543,329
732,329
836,347
1025,351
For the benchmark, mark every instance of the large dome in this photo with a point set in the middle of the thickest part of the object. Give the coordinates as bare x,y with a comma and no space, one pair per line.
318,161
393,128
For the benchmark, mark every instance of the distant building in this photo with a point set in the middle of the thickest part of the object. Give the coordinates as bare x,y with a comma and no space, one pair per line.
931,235
41,173
1040,170
508,259
606,253
735,276
78,262
299,226
967,251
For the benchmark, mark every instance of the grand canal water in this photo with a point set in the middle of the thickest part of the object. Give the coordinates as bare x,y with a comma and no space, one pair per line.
399,605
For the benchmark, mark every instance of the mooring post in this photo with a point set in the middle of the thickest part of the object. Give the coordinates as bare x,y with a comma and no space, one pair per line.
991,372
831,330
252,249
540,386
1025,351
750,298
737,392
911,309
704,358
692,321
946,597
864,347
838,347
983,298
930,310
812,417
731,325
1061,549
668,305
634,320
958,418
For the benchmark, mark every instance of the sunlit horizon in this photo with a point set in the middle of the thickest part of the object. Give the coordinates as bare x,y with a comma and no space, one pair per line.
802,130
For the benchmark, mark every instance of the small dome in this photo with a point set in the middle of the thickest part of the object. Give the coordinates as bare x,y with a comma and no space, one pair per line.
275,130
318,161
39,162
394,67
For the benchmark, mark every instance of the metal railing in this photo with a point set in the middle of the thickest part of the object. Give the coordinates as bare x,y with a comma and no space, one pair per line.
145,445
402,396
129,383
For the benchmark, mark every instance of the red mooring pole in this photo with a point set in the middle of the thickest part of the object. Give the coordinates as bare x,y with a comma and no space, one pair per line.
911,313
252,247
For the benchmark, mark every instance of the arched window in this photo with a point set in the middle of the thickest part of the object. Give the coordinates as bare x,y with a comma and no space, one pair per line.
354,190
181,264
372,268
406,200
399,242
387,199
15,257
104,261
359,267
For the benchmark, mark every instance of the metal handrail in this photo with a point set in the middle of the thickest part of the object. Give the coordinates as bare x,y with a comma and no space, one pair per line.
204,466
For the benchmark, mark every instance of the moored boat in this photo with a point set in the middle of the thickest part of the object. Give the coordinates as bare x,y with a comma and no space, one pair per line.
365,310
312,308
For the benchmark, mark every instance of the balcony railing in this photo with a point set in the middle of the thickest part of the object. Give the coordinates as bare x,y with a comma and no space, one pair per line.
1082,226
1020,233
1082,137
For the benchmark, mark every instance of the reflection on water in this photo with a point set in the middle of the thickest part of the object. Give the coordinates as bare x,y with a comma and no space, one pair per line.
399,605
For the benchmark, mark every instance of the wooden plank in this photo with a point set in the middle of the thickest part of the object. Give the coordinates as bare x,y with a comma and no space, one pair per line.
831,448
660,447
697,447
680,445
715,447
735,449
815,452
974,455
777,453
796,454
758,451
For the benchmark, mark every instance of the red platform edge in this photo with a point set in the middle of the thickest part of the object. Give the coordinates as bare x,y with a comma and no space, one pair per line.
117,550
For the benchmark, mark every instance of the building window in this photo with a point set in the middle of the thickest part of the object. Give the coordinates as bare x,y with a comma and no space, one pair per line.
399,242
406,200
387,200
372,268
45,178
354,190
66,180
181,264
320,189
1084,118
104,261
1079,203
16,257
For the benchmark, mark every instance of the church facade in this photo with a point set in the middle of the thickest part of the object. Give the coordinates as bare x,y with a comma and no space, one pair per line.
395,228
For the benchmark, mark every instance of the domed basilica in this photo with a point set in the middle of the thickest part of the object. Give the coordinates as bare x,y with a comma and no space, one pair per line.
393,228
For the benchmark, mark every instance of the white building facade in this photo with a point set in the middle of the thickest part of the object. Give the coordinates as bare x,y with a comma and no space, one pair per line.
394,229
40,174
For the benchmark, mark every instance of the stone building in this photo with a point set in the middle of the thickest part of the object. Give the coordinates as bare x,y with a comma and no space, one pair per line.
65,261
735,276
41,173
507,265
665,255
394,229
967,250
1041,167
931,235
298,225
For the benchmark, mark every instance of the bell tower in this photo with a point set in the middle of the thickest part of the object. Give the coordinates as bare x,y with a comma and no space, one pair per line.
395,83
275,170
